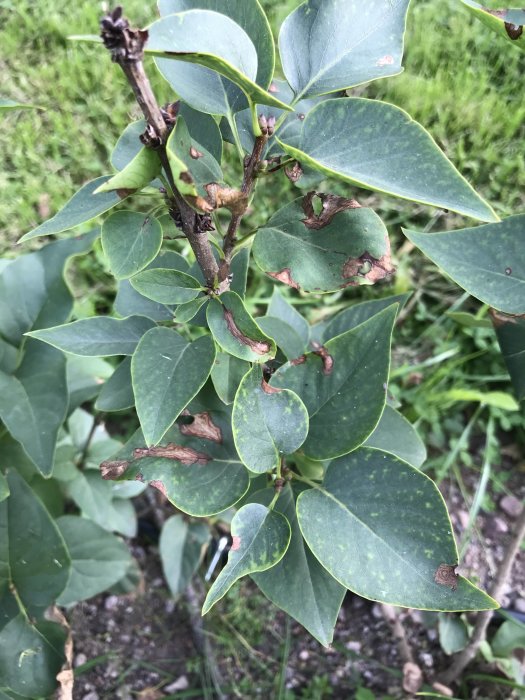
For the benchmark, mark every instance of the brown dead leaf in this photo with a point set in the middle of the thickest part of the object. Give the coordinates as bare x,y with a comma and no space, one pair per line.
65,676
331,205
412,677
294,173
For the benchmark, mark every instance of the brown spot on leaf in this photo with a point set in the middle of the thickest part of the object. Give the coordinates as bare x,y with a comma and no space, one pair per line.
385,61
301,117
202,427
412,677
508,271
139,477
331,205
184,455
123,193
236,543
446,576
285,276
113,470
328,360
294,173
514,31
298,360
273,88
186,177
160,486
369,268
269,389
500,319
260,347
500,14
195,154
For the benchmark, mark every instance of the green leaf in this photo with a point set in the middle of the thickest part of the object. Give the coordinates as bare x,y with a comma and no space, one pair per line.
351,248
167,372
33,403
129,145
510,636
506,23
167,286
34,558
396,435
130,303
284,335
281,308
29,661
377,146
211,40
343,386
130,241
226,375
47,301
98,559
236,331
4,488
181,548
198,475
359,313
117,392
203,88
381,528
203,128
85,376
487,261
326,47
7,105
99,336
81,208
511,337
453,633
498,399
8,357
138,173
193,166
260,540
298,584
267,423
187,312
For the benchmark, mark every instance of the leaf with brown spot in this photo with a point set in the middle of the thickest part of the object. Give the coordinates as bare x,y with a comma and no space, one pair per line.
328,360
331,205
368,268
202,426
510,330
184,455
113,470
195,153
446,576
159,485
285,276
508,23
294,173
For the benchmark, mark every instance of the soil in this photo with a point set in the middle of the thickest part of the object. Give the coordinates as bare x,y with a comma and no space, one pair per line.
146,645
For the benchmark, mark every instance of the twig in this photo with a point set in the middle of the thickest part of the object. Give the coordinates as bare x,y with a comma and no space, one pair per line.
483,618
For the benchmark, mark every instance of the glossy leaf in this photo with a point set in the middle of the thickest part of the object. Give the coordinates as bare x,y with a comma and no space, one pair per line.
138,173
85,377
214,41
36,561
378,146
356,314
130,241
99,336
167,372
236,331
166,286
282,309
488,261
381,528
227,374
343,386
117,392
267,423
298,584
81,208
129,145
328,46
203,88
8,357
260,540
4,488
396,435
130,303
506,23
203,128
33,403
286,338
98,558
187,312
511,337
181,547
345,252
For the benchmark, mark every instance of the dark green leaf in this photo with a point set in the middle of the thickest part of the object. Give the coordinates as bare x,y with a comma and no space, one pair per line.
138,173
509,637
4,488
326,47
226,375
267,423
298,584
187,312
343,386
203,128
129,145
281,308
82,207
506,23
166,286
235,330
488,261
396,435
130,241
167,372
260,540
98,558
33,403
85,376
352,248
511,337
284,335
381,528
377,146
181,548
453,633
8,357
8,105
359,313
99,336
117,392
35,560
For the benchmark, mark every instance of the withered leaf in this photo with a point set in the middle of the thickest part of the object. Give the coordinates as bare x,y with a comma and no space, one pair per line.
184,455
201,427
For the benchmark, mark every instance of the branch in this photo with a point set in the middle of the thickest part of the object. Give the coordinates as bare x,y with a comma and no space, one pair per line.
483,618
127,49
